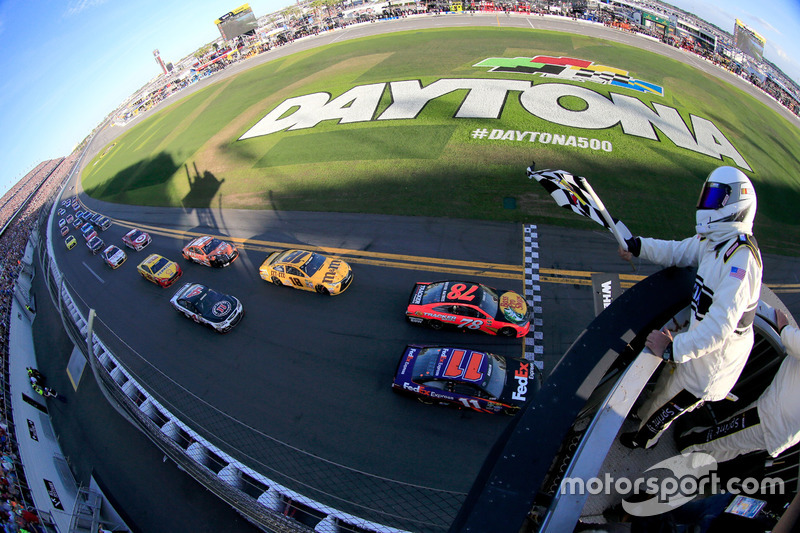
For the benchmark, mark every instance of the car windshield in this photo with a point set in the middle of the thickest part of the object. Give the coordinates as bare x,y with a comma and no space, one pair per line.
425,364
161,263
211,246
496,378
134,234
433,293
313,264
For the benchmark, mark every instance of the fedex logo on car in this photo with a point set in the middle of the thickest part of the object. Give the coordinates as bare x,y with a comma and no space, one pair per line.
521,375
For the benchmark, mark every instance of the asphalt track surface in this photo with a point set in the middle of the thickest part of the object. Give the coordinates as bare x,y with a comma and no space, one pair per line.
313,372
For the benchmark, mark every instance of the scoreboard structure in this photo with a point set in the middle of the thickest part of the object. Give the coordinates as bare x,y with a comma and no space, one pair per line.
237,22
748,41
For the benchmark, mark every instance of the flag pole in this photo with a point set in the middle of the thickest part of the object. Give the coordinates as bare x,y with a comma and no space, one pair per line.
603,212
606,216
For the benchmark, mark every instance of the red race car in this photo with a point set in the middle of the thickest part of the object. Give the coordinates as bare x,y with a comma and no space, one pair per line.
136,239
468,305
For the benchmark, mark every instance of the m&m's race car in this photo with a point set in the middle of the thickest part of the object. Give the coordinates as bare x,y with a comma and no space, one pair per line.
468,306
307,270
481,381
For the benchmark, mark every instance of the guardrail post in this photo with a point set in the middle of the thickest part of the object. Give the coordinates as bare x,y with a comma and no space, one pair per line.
89,332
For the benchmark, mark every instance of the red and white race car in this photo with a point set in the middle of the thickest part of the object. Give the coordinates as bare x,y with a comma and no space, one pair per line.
136,239
467,305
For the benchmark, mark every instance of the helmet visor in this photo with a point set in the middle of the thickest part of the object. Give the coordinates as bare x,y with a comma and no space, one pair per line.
714,195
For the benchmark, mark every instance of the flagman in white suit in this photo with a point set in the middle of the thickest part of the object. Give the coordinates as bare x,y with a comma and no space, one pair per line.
704,362
771,423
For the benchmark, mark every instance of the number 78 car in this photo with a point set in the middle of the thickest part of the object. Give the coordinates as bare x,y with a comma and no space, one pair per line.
468,306
480,381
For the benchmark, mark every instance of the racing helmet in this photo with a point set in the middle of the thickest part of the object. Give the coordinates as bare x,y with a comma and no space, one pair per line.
727,202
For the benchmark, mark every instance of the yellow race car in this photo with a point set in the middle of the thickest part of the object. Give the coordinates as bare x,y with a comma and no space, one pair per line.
159,270
306,270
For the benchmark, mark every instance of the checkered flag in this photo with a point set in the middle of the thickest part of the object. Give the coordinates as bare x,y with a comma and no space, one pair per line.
574,192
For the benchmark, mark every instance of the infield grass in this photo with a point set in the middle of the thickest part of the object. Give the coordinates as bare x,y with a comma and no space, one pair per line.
188,154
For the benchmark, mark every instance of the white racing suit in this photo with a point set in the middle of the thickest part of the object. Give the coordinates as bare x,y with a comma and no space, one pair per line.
710,354
771,423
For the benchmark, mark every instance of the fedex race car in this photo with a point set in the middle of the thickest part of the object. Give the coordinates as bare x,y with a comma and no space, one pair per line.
210,251
306,270
481,381
467,305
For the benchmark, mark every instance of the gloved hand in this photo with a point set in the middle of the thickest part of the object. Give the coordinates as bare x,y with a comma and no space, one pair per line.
634,248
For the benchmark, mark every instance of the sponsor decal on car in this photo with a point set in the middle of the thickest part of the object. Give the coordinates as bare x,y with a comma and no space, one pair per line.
521,375
448,318
330,275
221,309
417,299
513,306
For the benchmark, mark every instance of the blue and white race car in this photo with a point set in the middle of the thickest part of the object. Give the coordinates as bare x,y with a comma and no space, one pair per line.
481,381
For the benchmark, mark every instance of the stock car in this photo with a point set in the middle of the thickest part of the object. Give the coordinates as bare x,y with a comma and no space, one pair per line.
207,306
70,242
468,306
103,223
480,381
136,239
159,270
95,244
306,270
114,257
210,251
64,231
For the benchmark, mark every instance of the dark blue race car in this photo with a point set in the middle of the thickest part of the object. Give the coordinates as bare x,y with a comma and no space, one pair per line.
481,381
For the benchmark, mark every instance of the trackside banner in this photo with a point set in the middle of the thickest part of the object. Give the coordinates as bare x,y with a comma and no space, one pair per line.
486,99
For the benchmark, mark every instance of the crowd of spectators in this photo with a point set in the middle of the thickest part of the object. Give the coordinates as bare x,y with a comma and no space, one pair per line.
21,205
298,27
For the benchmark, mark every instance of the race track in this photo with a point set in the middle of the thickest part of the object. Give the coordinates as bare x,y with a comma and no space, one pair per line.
302,383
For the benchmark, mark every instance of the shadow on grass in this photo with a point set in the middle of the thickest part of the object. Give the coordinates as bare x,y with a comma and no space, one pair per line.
202,189
147,182
152,172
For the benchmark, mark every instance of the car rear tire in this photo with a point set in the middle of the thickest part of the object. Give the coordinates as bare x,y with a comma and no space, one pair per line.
507,332
435,324
322,290
276,281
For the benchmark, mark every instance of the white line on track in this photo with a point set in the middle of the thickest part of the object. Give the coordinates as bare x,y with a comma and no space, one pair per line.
101,280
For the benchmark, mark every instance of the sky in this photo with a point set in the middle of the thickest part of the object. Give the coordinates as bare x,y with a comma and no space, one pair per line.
68,64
